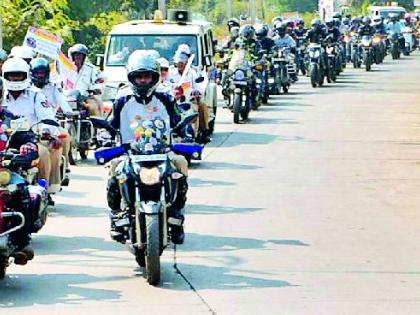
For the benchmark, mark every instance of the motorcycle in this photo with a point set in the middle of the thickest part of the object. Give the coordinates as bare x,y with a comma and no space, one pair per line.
316,67
355,50
409,40
379,48
149,186
82,129
332,70
261,70
23,199
301,49
367,52
395,45
243,85
284,68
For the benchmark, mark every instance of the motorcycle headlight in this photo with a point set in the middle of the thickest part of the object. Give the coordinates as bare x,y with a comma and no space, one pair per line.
366,42
347,39
258,67
5,177
314,53
376,39
149,176
239,75
330,50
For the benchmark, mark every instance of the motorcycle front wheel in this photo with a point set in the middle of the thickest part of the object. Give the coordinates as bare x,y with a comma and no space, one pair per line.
237,104
152,249
313,73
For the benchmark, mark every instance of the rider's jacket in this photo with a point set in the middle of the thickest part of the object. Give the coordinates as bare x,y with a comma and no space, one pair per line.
315,35
88,78
32,105
55,98
366,30
284,42
394,27
334,34
380,29
266,43
300,33
130,109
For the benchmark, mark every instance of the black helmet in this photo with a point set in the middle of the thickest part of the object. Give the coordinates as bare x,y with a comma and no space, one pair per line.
261,30
316,23
143,61
337,15
281,29
329,23
39,65
356,20
300,22
276,20
233,22
234,32
393,17
366,20
346,21
247,32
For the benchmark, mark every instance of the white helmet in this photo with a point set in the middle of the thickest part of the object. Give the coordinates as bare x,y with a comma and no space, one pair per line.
184,48
16,66
23,52
164,63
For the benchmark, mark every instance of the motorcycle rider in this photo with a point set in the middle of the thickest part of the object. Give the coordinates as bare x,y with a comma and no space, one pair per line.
191,89
395,26
366,29
266,43
23,52
300,30
3,58
23,100
88,79
355,24
233,22
233,36
284,40
40,77
143,73
379,26
165,86
316,34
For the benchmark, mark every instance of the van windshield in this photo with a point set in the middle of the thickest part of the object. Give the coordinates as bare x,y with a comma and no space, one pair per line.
385,13
121,46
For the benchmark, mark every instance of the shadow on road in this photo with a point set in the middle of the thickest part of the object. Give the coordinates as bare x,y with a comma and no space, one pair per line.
219,278
202,242
239,138
209,209
45,245
207,165
197,182
272,121
75,211
47,289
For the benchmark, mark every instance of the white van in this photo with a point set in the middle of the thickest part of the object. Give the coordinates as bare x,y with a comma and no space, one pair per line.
385,11
164,36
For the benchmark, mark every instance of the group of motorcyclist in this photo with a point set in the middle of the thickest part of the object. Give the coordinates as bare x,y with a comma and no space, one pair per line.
262,40
155,88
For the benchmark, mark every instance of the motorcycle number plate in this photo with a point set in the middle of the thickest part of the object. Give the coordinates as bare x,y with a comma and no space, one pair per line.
239,83
149,158
278,59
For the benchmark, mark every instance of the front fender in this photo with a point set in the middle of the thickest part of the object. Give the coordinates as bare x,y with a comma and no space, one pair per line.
150,207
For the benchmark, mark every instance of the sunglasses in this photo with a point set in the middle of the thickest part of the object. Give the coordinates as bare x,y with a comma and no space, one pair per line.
164,69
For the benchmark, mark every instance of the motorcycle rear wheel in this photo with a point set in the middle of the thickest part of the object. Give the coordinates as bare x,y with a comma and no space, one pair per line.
237,104
152,250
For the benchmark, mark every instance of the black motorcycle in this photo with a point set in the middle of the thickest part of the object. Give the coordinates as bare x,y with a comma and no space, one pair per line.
367,52
316,66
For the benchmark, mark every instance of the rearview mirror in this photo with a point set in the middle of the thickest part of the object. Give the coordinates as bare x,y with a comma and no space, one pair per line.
207,60
50,122
100,60
199,80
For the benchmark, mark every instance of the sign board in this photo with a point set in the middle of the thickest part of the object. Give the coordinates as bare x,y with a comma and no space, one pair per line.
43,42
326,9
67,71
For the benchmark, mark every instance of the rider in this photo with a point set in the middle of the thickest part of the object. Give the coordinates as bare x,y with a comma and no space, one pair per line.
395,26
233,22
266,43
88,78
3,58
164,86
40,77
233,36
284,40
143,73
190,88
300,30
379,26
366,29
23,52
316,33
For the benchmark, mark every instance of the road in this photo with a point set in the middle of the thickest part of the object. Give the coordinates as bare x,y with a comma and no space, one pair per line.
311,208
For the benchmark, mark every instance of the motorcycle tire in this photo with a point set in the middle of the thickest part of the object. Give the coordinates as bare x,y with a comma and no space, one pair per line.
321,80
152,258
313,73
237,104
285,88
141,261
83,152
368,65
245,109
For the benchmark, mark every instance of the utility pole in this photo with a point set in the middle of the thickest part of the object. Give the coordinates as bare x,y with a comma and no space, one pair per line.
161,7
252,10
228,9
1,25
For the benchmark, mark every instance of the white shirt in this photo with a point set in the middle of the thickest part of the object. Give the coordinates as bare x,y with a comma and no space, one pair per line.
134,111
189,85
32,105
88,78
56,99
165,87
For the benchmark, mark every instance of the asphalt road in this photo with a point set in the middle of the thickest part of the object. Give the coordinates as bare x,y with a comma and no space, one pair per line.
310,208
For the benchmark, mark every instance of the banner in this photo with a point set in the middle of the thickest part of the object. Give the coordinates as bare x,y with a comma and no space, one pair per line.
43,42
67,71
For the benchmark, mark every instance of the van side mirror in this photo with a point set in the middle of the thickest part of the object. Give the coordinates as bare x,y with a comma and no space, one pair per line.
207,60
100,60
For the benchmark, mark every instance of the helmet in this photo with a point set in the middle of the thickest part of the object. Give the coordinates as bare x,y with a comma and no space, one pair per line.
329,23
36,65
23,52
247,31
281,29
377,20
407,17
3,55
300,22
356,20
366,20
337,15
163,62
143,61
316,23
77,49
233,22
261,30
13,66
346,21
181,56
185,49
393,17
290,23
234,32
276,19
